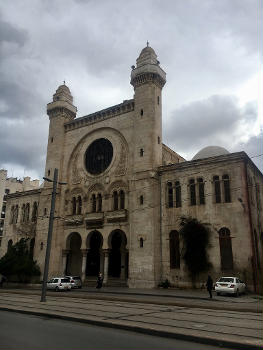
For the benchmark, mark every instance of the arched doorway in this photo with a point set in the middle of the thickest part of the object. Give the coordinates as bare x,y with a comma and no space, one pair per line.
118,256
74,260
94,256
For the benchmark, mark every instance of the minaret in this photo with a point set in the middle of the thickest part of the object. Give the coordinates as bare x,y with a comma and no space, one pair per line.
60,111
148,79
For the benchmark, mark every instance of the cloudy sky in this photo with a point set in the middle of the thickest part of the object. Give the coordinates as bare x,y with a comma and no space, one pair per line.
210,50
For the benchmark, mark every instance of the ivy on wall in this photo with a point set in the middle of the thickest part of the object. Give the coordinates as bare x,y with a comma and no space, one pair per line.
195,237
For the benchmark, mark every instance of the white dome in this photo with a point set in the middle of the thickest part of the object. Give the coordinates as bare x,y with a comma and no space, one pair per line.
210,151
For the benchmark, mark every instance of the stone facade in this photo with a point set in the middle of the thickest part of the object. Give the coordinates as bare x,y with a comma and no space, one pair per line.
119,202
10,185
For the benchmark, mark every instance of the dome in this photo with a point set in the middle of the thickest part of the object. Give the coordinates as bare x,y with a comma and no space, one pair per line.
210,151
63,94
147,50
63,88
147,56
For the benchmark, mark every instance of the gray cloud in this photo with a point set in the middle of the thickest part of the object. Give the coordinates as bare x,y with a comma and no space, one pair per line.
8,33
217,120
207,48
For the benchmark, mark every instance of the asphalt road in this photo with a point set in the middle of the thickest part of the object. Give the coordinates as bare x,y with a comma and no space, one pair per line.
26,332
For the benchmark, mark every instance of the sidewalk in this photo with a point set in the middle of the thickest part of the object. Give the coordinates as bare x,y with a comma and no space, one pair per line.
176,297
152,312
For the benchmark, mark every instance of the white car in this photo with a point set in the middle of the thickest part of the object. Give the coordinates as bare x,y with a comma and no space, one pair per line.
75,281
230,285
59,283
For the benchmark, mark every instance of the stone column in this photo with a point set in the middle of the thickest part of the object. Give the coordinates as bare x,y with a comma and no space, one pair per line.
106,265
65,253
84,253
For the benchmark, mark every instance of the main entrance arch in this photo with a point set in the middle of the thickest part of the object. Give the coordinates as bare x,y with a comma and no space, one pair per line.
118,255
94,256
74,260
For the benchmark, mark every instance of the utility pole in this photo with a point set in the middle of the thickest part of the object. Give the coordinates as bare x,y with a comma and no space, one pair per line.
50,230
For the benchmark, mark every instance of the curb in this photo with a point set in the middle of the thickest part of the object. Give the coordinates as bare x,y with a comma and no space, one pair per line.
153,332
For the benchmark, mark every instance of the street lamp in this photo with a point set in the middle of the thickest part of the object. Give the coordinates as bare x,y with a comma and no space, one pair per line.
50,229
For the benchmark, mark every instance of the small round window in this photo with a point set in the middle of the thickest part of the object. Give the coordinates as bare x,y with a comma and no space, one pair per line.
98,156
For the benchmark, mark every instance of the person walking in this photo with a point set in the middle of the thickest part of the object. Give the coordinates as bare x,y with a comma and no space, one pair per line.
99,281
209,285
2,280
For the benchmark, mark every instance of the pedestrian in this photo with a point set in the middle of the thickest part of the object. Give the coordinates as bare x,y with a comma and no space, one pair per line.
209,285
99,281
2,280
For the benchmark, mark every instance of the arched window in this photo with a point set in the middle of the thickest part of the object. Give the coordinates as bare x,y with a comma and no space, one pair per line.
79,205
93,203
23,218
192,192
27,210
141,242
99,198
178,200
12,215
115,200
122,199
201,187
170,195
74,206
225,249
217,189
174,250
16,214
226,182
34,212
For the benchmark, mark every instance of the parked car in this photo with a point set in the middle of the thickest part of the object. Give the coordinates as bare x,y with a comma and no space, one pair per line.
230,285
59,283
75,281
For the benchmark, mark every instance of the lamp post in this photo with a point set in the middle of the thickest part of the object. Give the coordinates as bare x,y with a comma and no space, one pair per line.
50,229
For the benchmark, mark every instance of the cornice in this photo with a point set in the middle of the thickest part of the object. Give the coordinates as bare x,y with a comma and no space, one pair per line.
122,108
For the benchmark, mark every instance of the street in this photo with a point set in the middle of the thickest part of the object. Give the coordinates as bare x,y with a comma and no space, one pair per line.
27,332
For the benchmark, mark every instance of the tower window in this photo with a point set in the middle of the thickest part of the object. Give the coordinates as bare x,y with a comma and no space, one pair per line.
41,245
141,242
48,172
141,200
141,152
52,139
45,211
159,140
158,100
141,112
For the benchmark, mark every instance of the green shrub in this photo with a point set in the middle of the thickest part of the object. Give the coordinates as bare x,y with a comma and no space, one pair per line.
17,264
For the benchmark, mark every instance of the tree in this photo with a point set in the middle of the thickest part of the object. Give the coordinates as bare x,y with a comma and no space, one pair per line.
18,264
195,236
